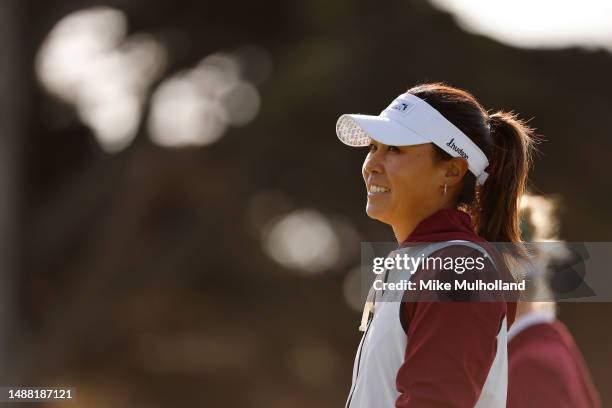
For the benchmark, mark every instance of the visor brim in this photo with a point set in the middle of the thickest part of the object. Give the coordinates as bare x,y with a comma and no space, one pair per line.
360,130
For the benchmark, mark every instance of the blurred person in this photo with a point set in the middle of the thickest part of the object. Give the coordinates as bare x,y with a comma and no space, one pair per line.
546,367
442,170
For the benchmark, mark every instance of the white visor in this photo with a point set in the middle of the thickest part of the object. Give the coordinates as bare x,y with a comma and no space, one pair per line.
409,120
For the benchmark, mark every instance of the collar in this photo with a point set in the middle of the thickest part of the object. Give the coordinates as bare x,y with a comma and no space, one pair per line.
444,225
531,319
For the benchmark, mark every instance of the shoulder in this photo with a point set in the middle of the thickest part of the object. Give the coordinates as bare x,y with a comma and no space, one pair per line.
440,288
453,266
541,346
469,250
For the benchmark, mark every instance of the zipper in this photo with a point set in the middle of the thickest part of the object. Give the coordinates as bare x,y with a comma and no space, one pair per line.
361,344
348,402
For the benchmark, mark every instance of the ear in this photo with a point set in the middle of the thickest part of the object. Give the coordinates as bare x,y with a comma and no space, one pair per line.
454,170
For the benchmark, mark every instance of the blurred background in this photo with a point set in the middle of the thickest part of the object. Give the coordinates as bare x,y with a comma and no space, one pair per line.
179,225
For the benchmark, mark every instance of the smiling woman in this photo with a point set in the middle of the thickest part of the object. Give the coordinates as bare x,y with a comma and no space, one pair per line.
399,183
447,176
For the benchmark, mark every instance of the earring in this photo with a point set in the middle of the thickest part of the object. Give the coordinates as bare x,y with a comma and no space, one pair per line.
445,186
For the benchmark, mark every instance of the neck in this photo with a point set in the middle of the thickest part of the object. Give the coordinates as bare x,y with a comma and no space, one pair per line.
523,308
402,231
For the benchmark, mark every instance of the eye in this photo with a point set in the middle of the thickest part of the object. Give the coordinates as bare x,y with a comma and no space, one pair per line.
393,149
372,147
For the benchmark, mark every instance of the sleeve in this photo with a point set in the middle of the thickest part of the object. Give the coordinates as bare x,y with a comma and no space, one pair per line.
451,345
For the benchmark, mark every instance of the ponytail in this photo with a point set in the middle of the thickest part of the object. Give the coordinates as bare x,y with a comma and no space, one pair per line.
507,142
510,159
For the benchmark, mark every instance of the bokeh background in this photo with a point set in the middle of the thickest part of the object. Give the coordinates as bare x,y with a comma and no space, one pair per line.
179,225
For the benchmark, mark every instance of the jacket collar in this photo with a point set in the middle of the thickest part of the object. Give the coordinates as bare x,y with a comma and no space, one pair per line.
444,225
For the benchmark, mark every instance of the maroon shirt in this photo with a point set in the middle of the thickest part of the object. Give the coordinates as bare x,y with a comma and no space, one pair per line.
546,369
451,345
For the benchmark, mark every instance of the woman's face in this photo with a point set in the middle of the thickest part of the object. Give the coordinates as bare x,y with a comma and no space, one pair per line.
402,182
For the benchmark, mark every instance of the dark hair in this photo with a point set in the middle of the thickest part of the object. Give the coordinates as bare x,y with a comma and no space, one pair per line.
507,142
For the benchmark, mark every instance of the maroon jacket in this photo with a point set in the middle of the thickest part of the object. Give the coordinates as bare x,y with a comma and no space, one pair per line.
546,369
451,345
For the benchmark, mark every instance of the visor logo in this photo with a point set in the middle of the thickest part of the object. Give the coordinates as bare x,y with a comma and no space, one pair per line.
402,107
457,149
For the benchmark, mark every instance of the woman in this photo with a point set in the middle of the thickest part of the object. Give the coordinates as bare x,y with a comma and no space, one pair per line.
545,365
441,170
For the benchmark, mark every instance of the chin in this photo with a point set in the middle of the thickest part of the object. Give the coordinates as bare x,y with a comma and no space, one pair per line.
376,213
